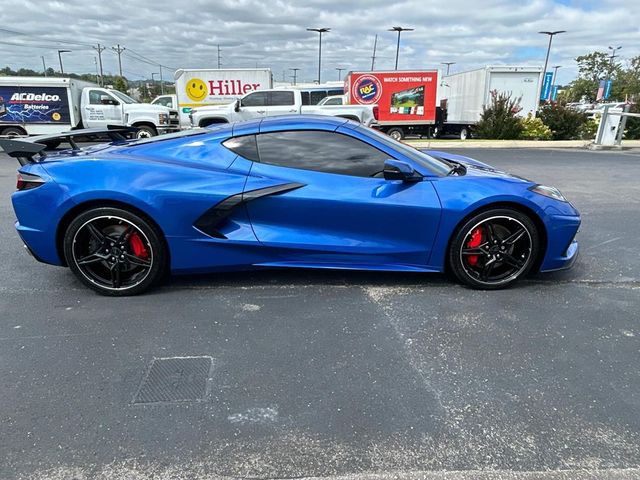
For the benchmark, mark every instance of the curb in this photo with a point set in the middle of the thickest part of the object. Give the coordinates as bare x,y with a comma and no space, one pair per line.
581,144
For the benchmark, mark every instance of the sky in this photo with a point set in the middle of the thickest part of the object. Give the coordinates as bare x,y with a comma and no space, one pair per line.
250,33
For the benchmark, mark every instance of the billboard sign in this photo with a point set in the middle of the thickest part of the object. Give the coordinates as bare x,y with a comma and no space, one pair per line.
402,97
21,105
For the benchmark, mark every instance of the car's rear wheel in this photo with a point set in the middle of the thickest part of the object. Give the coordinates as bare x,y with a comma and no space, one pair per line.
115,252
494,248
396,133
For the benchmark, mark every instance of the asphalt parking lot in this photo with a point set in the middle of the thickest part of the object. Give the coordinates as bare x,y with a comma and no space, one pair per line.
336,373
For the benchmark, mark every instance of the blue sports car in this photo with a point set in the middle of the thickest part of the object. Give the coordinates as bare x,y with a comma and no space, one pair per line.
299,191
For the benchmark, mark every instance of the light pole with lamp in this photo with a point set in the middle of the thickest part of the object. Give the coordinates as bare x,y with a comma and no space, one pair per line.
399,30
320,32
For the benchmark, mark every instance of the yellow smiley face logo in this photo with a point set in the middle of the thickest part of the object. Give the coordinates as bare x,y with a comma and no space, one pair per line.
196,89
56,116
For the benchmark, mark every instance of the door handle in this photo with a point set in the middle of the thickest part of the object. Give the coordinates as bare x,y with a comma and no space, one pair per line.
260,111
293,110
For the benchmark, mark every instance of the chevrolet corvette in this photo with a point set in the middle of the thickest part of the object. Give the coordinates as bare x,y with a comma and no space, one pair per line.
288,191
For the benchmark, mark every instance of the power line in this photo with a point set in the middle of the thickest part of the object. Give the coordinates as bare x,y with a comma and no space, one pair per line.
44,37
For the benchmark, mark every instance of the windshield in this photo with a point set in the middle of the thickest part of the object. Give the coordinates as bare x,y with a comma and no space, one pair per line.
122,96
435,165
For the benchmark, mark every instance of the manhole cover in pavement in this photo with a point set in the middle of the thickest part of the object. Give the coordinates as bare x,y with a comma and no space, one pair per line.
175,379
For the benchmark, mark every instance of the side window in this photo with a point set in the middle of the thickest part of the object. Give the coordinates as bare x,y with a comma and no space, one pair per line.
321,151
306,98
335,91
164,101
334,101
317,95
281,99
244,146
94,97
256,99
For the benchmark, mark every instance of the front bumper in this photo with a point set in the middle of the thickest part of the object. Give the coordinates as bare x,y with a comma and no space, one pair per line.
562,246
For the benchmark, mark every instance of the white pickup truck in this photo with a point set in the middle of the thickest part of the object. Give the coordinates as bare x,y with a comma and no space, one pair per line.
269,103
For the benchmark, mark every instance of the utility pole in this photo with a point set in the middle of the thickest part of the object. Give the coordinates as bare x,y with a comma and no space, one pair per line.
340,72
95,62
373,57
219,57
44,67
399,30
99,49
295,74
161,81
448,64
60,52
119,51
320,31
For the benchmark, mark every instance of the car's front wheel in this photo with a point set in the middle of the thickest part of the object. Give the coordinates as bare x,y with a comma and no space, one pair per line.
114,251
494,248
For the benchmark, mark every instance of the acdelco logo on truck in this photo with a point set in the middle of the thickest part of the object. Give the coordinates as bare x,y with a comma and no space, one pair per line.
33,97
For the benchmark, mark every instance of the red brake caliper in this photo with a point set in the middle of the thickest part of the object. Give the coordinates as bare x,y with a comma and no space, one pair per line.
475,241
137,246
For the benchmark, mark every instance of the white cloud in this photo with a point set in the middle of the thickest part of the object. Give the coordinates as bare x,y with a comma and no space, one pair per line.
251,32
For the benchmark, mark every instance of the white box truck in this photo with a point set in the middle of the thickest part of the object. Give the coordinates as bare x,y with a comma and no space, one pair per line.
49,105
463,95
201,87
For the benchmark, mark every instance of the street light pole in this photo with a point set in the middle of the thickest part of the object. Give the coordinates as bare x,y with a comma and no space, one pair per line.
448,64
295,74
60,52
44,67
555,73
546,60
320,31
340,72
612,56
399,30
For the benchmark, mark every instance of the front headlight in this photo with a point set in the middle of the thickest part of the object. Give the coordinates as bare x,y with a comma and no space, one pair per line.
163,118
550,192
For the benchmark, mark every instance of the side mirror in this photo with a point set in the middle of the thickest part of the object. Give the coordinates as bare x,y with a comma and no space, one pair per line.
236,106
399,170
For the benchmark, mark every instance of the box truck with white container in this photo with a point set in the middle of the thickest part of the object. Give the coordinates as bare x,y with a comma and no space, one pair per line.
213,86
42,106
464,95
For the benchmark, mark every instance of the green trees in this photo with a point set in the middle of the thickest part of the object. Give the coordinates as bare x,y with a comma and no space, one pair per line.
596,66
120,84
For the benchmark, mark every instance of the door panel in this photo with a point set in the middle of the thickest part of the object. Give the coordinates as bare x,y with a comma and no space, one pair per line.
339,219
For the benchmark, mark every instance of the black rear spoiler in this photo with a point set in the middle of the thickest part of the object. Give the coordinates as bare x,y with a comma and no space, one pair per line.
25,149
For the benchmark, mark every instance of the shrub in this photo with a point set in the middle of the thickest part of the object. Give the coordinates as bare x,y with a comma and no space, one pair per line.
565,123
534,129
499,120
590,128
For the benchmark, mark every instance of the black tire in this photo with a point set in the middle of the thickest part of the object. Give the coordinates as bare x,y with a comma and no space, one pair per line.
13,132
145,131
508,244
465,133
396,133
99,248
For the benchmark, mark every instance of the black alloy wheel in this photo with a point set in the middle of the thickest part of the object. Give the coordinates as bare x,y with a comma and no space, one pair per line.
494,249
115,252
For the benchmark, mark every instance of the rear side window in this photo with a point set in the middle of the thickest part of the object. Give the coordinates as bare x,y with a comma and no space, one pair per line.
317,95
244,146
321,151
257,99
306,98
281,98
